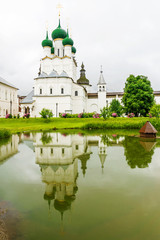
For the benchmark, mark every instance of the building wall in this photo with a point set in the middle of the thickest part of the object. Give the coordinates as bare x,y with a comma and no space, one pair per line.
8,94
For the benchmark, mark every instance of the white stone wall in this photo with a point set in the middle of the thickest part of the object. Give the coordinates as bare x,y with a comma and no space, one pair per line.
8,94
10,148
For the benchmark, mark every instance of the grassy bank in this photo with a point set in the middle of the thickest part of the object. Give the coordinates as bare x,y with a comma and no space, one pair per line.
39,124
4,133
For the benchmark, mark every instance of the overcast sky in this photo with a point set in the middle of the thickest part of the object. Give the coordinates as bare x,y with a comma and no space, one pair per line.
121,35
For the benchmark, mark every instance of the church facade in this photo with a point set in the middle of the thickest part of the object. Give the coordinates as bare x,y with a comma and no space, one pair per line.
57,87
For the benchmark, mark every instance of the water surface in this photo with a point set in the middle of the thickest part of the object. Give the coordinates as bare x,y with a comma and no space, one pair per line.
81,186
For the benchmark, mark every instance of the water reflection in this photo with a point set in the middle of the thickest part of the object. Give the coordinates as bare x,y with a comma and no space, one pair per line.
138,151
8,147
62,158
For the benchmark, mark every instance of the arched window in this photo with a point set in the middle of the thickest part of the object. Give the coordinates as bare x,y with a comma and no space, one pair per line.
50,90
62,90
76,93
40,91
63,52
58,52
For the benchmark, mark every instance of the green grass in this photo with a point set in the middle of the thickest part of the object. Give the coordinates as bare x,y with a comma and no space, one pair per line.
39,124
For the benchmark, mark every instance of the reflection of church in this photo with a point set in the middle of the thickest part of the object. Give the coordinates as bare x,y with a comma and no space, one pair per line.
57,155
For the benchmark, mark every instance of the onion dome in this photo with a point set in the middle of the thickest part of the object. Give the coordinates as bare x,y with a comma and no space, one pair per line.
74,49
59,32
47,42
83,80
52,50
67,40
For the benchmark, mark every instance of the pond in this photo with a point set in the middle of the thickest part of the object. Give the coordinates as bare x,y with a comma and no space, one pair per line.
79,186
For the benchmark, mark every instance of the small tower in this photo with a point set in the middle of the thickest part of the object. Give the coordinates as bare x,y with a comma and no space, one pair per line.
83,80
101,91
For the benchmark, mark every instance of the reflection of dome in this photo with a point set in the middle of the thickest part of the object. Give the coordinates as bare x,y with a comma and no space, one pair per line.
84,158
59,32
61,206
70,199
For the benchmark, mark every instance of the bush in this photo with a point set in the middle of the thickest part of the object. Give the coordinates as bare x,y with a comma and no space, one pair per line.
80,115
155,111
9,116
114,115
105,113
131,115
116,107
46,113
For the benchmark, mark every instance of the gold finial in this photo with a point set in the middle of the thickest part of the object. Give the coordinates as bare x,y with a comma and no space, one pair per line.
59,7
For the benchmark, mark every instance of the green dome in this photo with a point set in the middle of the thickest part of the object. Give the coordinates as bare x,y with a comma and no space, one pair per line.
67,40
59,32
52,50
47,42
74,50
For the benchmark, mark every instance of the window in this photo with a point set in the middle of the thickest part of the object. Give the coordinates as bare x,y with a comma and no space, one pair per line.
51,151
76,93
77,147
63,52
5,95
58,52
40,90
50,90
100,88
62,90
62,150
41,150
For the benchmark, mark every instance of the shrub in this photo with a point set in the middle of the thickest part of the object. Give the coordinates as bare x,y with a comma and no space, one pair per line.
114,115
105,113
46,113
155,110
9,116
18,116
131,115
116,107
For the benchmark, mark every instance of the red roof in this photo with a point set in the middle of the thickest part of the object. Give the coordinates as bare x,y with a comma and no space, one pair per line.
148,128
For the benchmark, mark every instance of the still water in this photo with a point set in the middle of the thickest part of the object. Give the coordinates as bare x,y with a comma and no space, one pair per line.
79,186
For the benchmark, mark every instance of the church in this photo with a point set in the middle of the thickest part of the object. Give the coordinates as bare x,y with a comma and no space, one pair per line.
57,86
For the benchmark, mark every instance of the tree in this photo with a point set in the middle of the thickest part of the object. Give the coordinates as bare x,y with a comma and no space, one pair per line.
115,107
105,112
155,110
46,113
138,95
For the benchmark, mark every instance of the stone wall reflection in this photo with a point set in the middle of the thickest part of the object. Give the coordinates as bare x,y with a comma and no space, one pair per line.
8,147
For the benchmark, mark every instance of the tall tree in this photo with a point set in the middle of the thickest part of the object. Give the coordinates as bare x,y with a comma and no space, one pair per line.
115,107
138,95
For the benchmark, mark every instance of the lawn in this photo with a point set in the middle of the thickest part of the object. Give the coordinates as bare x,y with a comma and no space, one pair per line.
38,124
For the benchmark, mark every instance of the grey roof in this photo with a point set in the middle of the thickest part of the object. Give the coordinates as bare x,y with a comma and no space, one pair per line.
7,83
64,74
43,75
28,98
53,74
101,79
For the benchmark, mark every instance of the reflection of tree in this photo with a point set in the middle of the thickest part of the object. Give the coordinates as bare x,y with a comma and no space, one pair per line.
109,139
137,155
46,138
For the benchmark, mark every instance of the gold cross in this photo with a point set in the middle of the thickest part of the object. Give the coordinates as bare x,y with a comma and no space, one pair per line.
59,7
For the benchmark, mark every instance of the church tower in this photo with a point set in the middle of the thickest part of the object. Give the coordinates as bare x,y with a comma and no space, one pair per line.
83,81
101,91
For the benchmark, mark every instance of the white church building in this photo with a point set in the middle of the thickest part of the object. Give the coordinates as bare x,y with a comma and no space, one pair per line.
57,86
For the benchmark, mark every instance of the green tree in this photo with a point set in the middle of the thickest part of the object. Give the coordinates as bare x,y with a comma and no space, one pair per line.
138,95
105,112
116,107
155,110
46,113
